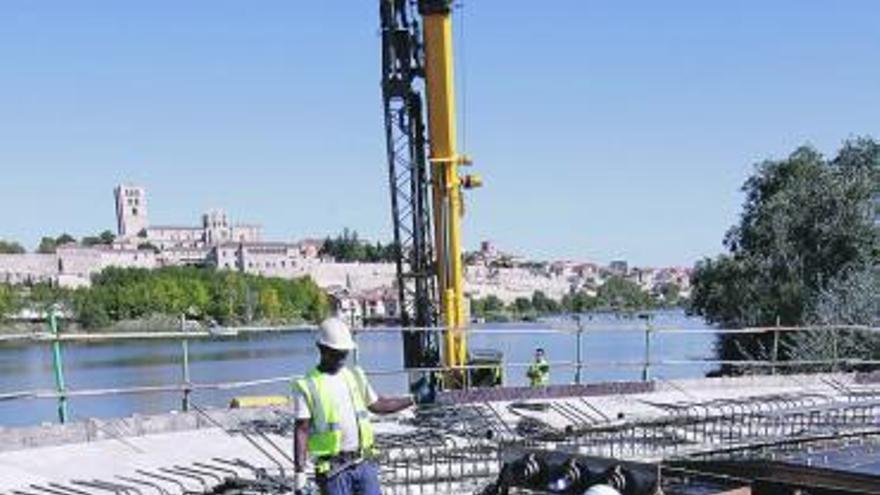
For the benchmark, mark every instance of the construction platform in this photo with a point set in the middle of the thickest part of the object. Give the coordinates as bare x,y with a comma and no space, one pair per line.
702,427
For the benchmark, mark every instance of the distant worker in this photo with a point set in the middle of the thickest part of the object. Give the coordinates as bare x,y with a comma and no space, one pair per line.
331,405
539,371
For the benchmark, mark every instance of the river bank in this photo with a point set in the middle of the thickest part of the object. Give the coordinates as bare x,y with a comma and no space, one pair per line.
260,362
152,324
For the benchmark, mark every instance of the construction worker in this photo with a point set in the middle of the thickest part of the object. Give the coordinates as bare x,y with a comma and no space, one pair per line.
331,405
539,371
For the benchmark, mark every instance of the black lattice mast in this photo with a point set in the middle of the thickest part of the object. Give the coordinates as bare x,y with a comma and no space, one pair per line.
402,89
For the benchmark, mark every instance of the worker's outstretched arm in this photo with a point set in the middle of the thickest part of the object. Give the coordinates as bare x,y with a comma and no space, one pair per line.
389,405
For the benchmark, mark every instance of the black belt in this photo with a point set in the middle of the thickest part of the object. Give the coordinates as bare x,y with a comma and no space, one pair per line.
341,462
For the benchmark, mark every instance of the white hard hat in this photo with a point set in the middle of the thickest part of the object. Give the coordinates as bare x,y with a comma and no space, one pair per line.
601,490
334,333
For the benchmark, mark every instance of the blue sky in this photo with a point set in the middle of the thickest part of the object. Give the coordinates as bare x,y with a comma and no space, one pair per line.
603,129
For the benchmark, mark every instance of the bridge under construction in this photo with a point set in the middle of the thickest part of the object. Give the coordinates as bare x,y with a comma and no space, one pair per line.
763,434
766,434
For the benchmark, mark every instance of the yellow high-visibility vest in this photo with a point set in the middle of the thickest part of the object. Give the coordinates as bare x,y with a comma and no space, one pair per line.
539,373
325,437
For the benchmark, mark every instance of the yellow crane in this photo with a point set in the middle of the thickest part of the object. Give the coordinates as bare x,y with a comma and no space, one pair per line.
445,160
419,59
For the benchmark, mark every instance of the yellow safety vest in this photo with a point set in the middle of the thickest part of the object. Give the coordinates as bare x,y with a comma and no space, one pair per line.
325,437
539,373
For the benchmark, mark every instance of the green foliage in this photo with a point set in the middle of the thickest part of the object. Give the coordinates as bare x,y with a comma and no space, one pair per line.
64,238
42,296
9,300
10,247
543,304
579,302
148,246
617,294
89,310
522,305
490,308
106,237
47,245
849,299
670,294
620,294
347,247
50,244
805,222
228,297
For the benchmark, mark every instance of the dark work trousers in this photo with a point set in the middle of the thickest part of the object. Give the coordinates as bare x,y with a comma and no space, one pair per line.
361,479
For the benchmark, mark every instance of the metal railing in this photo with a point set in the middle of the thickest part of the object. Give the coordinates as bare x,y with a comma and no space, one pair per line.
186,386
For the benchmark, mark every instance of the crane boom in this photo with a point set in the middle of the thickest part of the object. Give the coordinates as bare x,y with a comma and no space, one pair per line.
419,60
402,88
444,160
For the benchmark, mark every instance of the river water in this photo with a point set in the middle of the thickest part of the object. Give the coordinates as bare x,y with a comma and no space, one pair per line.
607,339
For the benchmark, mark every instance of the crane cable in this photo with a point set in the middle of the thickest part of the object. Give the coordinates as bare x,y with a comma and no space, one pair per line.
462,71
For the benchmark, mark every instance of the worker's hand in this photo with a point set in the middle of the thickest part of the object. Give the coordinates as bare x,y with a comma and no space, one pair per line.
423,391
299,483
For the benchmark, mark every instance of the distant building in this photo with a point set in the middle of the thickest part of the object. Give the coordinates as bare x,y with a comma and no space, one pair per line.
131,210
70,265
378,305
216,228
173,236
310,248
270,259
345,305
644,277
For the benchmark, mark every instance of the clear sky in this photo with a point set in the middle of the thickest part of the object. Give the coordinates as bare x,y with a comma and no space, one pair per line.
603,129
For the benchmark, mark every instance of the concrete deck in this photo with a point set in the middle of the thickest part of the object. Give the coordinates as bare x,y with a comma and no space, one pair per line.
108,450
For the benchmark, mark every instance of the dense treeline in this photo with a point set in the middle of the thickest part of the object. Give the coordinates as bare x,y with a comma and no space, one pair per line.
48,244
616,294
10,247
347,247
805,250
227,297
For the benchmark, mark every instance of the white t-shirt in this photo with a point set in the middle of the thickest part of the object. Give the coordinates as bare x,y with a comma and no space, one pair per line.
338,390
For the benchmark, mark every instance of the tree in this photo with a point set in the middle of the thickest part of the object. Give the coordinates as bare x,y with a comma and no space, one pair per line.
579,302
543,304
621,294
228,297
348,247
104,238
669,293
493,304
9,301
270,305
522,305
148,246
805,222
489,307
848,300
64,238
49,245
90,309
10,247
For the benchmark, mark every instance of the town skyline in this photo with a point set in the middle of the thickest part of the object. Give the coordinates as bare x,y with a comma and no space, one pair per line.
361,285
187,219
